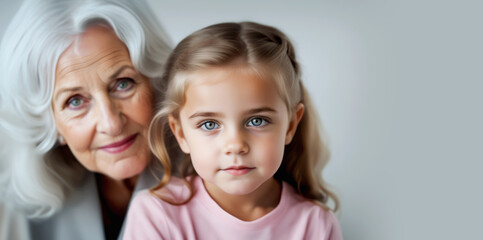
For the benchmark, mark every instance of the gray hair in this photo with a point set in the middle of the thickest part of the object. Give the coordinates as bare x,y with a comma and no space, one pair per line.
35,174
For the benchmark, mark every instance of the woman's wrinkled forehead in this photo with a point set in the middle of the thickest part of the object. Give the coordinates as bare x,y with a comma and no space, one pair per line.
95,42
91,37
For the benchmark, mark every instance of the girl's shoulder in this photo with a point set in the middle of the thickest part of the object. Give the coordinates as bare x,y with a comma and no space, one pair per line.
301,205
152,216
175,191
321,222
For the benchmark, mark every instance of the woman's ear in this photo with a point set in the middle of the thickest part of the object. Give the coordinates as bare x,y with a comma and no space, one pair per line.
61,140
294,122
177,131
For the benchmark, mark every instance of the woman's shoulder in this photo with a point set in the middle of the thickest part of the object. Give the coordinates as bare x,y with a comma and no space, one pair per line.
13,225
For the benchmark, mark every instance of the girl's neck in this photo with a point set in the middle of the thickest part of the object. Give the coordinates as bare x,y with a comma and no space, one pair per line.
251,206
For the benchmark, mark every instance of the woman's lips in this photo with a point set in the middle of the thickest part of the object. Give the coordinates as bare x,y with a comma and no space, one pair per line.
120,146
238,170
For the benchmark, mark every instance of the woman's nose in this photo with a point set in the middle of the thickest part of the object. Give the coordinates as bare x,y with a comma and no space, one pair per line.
110,117
235,143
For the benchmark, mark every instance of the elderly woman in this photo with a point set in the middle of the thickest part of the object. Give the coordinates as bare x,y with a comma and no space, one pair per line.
78,84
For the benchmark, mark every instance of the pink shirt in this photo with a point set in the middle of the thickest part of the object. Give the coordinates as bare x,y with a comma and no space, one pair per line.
202,218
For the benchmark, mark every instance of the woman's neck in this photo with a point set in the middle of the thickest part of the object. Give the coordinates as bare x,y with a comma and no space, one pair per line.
251,206
114,197
117,193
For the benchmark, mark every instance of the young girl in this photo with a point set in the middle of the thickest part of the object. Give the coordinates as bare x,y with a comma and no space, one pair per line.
238,109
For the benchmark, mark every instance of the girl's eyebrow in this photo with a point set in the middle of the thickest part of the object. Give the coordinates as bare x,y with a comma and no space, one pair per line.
205,114
262,109
215,114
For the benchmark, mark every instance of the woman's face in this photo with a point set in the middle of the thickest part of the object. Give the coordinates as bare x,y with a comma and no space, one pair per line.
102,105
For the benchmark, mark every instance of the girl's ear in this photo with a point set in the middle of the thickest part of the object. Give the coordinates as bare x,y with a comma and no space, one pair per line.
177,131
294,122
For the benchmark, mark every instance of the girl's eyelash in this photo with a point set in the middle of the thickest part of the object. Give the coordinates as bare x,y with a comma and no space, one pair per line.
203,125
200,124
267,119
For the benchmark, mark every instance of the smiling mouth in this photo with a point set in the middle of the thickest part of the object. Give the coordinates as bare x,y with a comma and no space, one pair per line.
120,146
238,170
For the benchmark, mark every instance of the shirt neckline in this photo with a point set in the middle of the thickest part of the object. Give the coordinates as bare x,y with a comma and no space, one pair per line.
223,216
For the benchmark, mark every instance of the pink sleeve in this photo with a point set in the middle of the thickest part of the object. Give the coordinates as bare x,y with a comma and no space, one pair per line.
335,231
323,225
146,219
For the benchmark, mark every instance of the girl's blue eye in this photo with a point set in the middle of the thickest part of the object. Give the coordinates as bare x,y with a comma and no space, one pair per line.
209,125
75,102
124,84
257,122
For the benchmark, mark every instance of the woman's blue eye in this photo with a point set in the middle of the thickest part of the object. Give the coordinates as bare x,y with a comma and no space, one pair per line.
209,125
75,102
257,122
124,84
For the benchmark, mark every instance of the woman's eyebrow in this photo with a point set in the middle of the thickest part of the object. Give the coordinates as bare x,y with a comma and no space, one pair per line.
73,89
65,90
119,71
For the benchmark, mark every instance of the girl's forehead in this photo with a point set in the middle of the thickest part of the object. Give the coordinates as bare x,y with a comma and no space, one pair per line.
230,87
217,74
256,81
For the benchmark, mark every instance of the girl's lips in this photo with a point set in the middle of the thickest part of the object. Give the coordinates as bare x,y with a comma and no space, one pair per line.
238,170
120,146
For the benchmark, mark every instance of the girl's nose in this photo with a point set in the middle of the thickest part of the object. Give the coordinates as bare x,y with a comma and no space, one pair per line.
235,143
110,117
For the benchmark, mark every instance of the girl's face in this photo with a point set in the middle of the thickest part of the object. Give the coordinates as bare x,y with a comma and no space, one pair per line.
102,105
235,127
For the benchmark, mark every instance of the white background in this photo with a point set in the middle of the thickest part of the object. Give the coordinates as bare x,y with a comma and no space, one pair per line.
398,86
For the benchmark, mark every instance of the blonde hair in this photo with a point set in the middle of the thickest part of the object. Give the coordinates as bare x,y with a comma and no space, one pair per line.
268,52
